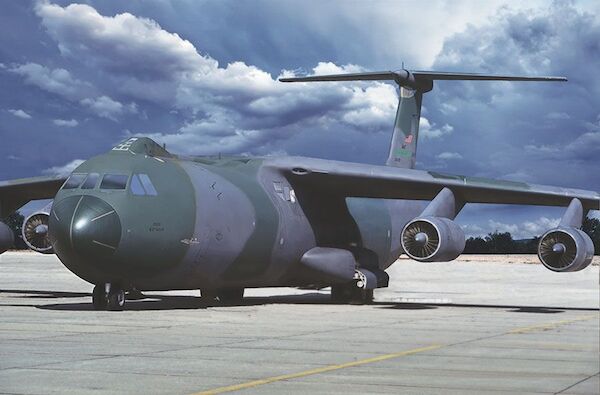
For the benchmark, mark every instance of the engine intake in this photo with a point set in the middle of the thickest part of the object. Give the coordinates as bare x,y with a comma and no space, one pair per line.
432,239
565,249
35,232
7,237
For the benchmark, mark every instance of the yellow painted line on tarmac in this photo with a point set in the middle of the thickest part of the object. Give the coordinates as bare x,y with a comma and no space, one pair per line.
552,325
324,369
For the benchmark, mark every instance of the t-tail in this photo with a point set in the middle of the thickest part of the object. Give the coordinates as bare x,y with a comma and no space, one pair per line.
413,84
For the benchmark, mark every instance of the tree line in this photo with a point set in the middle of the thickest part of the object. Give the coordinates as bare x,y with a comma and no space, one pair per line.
503,242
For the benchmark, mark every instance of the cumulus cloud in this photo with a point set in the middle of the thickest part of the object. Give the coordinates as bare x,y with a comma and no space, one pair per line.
105,107
70,123
429,130
546,128
63,170
230,107
584,147
58,81
61,82
449,156
123,43
19,113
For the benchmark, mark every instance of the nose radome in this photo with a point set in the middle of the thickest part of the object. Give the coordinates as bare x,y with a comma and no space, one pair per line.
86,225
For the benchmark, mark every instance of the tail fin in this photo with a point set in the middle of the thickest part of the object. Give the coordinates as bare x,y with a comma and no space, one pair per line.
413,84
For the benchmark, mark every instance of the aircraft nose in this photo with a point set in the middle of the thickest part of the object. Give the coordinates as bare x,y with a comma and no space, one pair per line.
86,225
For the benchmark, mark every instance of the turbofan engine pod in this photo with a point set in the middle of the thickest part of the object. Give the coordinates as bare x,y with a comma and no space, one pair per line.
565,249
35,232
7,237
432,239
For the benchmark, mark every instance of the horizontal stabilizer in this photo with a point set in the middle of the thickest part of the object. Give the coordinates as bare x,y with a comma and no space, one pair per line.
415,78
442,75
372,76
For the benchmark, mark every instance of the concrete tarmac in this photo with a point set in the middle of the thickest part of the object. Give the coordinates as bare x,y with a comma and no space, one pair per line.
474,326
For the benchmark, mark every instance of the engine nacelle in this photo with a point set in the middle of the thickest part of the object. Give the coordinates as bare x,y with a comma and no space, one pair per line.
7,237
432,239
35,231
565,249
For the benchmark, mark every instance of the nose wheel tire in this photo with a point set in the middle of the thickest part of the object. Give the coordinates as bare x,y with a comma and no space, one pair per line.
113,300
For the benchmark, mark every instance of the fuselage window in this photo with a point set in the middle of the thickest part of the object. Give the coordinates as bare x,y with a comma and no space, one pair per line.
114,181
91,181
74,181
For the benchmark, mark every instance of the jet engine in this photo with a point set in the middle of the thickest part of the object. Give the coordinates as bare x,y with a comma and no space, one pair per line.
432,239
7,237
565,249
35,231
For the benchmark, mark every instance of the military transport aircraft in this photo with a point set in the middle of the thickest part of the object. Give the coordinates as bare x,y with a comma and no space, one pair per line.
141,218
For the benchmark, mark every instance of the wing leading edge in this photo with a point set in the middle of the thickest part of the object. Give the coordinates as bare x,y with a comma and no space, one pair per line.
369,181
15,193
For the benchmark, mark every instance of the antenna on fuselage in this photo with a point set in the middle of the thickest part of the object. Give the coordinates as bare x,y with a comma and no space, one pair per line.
413,84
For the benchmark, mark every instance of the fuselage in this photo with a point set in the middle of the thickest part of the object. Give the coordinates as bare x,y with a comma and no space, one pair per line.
146,219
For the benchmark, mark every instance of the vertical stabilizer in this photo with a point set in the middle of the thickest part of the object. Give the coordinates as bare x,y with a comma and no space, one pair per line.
403,148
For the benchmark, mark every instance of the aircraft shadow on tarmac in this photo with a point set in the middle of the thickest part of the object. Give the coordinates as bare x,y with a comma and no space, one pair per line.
44,294
180,302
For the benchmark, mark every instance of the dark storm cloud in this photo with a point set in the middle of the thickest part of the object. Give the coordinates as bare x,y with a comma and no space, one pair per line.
519,125
538,132
231,108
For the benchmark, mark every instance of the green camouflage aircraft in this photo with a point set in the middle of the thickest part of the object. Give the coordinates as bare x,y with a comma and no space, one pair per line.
141,218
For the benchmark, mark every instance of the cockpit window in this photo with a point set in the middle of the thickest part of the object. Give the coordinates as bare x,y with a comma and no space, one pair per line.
74,181
136,186
91,181
114,181
150,190
141,185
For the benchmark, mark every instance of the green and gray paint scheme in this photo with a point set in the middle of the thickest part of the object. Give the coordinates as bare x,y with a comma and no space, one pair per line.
220,223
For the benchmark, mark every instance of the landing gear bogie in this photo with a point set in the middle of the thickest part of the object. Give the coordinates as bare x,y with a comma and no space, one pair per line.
108,297
354,292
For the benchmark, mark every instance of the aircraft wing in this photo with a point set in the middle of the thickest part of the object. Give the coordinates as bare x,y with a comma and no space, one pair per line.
15,193
369,181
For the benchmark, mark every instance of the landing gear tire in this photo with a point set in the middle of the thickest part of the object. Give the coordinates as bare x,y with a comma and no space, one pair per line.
113,300
230,295
362,296
350,293
341,293
99,297
116,299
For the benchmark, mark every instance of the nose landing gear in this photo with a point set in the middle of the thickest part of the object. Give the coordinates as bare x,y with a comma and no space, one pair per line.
108,297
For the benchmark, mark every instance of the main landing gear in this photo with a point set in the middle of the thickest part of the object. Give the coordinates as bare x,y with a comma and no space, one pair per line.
226,296
108,297
354,292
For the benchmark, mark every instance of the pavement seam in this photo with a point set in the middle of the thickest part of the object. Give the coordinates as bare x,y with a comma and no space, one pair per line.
579,382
